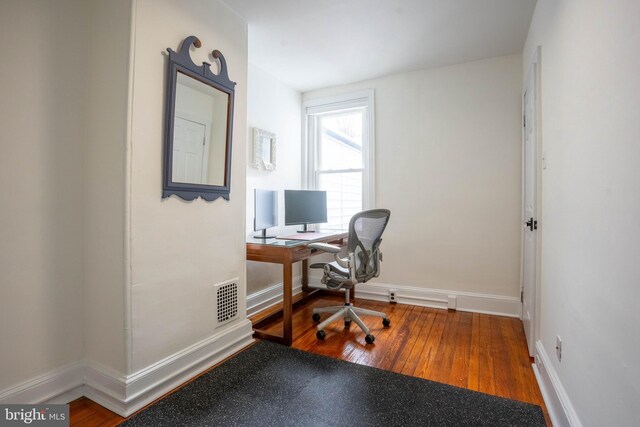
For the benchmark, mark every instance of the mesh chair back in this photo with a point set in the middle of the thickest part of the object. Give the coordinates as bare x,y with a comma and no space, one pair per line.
365,235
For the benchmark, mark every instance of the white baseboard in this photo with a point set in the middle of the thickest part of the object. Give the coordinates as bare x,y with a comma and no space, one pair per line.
265,298
146,385
106,387
53,386
438,298
125,395
555,397
424,297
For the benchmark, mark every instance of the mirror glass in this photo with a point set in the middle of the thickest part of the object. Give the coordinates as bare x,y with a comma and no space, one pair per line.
265,144
199,133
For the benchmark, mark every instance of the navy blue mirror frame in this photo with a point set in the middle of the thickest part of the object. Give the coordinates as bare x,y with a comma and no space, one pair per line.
181,62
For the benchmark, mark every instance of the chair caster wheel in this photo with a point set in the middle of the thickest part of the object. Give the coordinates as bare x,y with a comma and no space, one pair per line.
320,335
386,322
369,339
347,323
316,317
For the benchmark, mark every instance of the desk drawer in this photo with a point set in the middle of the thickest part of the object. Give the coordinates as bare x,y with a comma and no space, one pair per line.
301,253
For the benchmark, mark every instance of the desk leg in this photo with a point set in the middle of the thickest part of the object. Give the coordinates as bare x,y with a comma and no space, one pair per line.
305,276
287,305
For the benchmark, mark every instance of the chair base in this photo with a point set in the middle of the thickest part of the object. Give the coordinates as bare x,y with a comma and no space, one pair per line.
349,313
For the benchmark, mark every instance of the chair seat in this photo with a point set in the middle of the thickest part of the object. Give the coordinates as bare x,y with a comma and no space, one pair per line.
337,277
334,266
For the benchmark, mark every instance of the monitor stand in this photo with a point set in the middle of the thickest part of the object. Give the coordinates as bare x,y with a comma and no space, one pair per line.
305,229
263,235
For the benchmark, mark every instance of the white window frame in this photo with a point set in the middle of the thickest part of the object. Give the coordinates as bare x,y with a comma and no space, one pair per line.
346,101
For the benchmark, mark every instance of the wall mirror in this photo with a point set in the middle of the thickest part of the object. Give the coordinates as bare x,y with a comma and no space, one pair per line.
199,123
264,149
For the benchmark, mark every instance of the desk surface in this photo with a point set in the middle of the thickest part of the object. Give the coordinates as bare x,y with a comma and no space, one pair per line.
285,243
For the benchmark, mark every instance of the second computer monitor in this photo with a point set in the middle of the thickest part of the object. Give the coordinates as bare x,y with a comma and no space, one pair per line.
302,207
265,211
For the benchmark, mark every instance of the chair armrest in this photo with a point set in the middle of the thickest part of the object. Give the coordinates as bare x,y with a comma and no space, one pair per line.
325,247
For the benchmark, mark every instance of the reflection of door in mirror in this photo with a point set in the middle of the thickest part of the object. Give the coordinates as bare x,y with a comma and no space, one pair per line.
200,133
190,151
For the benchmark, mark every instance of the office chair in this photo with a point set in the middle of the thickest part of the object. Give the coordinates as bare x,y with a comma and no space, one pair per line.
361,264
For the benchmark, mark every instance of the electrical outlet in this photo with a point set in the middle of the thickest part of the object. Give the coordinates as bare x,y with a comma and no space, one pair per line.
392,295
559,348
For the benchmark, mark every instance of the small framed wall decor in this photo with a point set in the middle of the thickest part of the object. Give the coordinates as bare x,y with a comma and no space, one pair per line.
264,149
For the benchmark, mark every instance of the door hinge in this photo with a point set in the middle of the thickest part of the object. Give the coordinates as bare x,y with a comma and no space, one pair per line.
521,295
524,121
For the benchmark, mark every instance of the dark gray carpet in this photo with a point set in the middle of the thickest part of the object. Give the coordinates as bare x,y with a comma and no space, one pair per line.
273,385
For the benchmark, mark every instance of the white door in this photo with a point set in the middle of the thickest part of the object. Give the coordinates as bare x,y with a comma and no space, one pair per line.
189,151
529,221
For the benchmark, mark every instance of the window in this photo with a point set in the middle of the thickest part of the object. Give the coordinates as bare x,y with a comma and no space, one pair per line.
339,154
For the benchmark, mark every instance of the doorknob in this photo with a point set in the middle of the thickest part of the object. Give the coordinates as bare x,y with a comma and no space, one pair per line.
533,225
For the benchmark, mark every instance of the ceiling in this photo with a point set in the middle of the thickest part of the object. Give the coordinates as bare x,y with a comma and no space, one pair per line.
310,44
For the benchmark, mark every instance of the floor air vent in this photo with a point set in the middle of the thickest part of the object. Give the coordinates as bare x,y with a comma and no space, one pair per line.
227,301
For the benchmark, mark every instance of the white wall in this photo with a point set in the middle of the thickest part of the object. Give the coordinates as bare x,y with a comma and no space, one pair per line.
42,81
274,107
179,249
104,183
591,204
95,264
448,166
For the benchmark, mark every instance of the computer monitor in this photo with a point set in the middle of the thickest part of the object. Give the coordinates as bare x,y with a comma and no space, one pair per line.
305,207
265,213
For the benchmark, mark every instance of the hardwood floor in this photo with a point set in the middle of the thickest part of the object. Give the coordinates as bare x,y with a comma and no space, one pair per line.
479,352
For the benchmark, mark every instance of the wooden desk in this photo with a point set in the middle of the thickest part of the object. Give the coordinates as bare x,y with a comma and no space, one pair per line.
287,252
